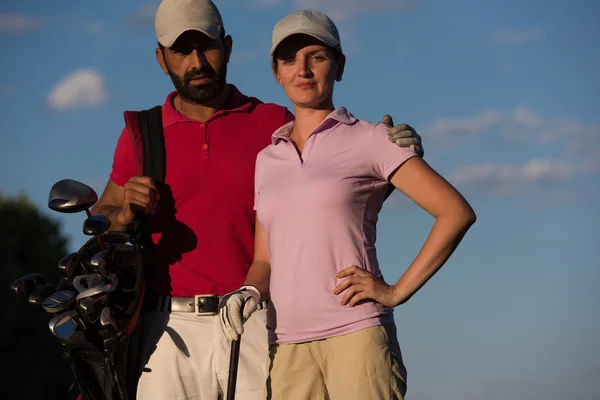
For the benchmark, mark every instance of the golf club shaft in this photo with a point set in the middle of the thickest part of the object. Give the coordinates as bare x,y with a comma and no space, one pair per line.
233,367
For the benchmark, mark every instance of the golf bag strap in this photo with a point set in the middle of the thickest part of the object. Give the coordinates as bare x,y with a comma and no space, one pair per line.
146,132
147,137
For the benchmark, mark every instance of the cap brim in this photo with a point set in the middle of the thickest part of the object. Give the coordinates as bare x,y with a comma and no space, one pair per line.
327,41
167,39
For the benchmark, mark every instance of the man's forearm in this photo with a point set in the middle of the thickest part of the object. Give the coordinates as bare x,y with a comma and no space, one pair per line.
112,213
259,276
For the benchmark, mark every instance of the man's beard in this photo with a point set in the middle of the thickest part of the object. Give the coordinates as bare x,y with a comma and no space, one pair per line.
200,94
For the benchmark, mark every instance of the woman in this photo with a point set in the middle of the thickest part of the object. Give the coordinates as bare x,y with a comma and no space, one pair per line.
318,191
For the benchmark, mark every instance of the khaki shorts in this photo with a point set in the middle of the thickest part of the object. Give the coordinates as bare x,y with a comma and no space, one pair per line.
362,365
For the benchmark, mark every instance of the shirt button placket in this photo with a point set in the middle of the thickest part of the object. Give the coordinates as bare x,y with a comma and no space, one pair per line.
204,142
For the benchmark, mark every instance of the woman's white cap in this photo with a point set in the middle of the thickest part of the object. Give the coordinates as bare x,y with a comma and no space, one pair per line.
312,23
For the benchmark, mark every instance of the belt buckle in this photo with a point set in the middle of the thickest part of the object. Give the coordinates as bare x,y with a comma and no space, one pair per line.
197,308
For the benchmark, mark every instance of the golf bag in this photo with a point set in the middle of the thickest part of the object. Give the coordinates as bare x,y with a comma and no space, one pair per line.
105,365
110,371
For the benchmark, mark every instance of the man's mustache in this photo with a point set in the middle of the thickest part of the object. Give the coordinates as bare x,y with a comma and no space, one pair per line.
201,74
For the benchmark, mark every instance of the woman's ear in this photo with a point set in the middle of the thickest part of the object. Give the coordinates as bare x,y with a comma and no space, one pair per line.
276,73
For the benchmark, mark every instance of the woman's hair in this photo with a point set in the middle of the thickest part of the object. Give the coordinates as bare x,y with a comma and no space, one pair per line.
335,51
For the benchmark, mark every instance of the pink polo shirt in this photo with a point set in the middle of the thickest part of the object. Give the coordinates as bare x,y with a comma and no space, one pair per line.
319,214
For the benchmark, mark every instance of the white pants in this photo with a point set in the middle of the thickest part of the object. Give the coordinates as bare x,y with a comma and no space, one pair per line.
188,358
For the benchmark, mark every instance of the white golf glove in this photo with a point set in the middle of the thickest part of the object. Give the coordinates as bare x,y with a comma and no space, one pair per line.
404,135
235,308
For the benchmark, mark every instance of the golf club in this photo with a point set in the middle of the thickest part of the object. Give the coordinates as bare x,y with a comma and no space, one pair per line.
64,284
99,261
70,196
91,307
108,321
64,324
23,287
40,293
68,265
234,357
59,301
103,288
96,225
82,283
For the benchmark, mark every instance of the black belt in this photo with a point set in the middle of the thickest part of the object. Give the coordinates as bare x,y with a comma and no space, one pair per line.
202,304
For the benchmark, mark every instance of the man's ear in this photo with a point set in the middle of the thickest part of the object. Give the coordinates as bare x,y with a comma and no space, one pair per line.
160,57
227,45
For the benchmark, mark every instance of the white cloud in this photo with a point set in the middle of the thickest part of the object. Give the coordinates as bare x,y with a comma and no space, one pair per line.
79,89
501,180
479,123
341,10
575,148
570,140
519,37
17,23
522,125
525,116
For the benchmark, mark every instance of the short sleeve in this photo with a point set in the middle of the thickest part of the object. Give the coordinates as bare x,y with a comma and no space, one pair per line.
387,157
123,166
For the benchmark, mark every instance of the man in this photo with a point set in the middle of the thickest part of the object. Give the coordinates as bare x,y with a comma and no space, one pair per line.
202,218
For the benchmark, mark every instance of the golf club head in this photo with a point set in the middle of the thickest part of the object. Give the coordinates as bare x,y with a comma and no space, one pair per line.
95,225
68,265
103,288
81,283
100,261
64,284
64,324
91,307
40,293
70,196
23,287
59,301
100,258
108,321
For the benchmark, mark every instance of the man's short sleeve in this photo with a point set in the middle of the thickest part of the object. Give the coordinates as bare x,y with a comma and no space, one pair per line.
123,166
386,157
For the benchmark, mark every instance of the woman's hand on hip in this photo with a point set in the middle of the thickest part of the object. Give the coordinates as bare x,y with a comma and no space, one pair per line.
360,285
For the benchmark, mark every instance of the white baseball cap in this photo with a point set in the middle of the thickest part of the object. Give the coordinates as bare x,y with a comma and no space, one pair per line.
174,17
312,23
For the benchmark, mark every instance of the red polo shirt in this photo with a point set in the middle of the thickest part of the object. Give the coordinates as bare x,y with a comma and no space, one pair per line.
204,228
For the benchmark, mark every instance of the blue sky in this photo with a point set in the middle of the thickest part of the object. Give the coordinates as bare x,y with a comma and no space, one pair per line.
506,95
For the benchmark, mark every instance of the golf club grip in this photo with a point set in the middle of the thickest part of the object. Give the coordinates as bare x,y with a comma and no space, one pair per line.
233,367
234,357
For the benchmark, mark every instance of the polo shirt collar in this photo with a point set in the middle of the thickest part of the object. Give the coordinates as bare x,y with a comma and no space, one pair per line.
337,116
237,102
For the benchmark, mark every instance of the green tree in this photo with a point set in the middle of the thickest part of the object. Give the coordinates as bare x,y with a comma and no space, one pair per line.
30,243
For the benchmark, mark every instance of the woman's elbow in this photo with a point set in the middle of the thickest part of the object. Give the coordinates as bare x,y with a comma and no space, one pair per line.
466,215
460,214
